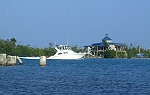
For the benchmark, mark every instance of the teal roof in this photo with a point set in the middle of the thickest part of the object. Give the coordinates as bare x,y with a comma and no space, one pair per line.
103,43
106,38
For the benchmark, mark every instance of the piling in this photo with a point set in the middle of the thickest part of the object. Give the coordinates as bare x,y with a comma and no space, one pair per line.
42,61
11,60
20,61
3,59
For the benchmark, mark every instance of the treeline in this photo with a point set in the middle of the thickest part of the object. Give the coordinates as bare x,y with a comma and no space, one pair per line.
133,50
130,52
9,47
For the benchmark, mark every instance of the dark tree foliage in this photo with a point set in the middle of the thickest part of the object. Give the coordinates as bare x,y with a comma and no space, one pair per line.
76,49
9,47
110,54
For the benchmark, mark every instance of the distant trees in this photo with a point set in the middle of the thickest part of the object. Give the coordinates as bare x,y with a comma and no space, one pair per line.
131,51
9,47
30,51
77,49
109,54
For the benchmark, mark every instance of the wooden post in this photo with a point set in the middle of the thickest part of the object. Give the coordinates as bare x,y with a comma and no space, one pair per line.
11,60
42,61
3,59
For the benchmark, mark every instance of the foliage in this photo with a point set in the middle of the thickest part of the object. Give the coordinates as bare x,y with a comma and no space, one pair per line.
109,54
121,55
76,49
133,50
9,47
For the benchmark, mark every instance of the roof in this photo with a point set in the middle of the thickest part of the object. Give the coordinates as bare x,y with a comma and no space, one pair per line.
106,38
105,42
102,44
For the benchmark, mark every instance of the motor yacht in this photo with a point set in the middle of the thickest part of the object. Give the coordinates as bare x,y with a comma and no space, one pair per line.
62,52
65,52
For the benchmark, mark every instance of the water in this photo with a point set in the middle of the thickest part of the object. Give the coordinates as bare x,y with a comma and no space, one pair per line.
77,77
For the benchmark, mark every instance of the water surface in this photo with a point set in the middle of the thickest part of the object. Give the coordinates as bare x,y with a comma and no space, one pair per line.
77,77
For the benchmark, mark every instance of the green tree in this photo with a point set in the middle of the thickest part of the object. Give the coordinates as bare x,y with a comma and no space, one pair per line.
110,54
76,49
13,42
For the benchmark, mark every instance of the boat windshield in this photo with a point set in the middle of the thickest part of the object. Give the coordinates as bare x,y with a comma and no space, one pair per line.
61,47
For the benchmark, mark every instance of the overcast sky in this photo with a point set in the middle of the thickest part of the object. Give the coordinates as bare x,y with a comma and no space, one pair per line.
83,22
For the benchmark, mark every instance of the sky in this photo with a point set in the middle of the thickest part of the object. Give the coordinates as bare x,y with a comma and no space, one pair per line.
83,22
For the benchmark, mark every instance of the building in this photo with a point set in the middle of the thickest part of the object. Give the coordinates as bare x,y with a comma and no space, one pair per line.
98,49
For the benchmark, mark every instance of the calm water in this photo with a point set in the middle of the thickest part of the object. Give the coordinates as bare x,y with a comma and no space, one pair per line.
77,77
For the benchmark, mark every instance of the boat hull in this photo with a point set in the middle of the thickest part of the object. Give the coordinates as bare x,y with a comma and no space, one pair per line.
65,57
30,57
71,56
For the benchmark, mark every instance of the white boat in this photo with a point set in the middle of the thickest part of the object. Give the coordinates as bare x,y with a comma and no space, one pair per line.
62,52
65,52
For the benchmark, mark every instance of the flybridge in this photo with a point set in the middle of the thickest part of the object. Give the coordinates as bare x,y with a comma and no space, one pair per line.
63,47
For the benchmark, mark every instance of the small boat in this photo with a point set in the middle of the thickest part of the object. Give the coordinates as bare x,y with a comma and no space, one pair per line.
30,57
62,52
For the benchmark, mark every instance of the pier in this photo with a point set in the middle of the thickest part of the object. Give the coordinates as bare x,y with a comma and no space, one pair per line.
8,60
